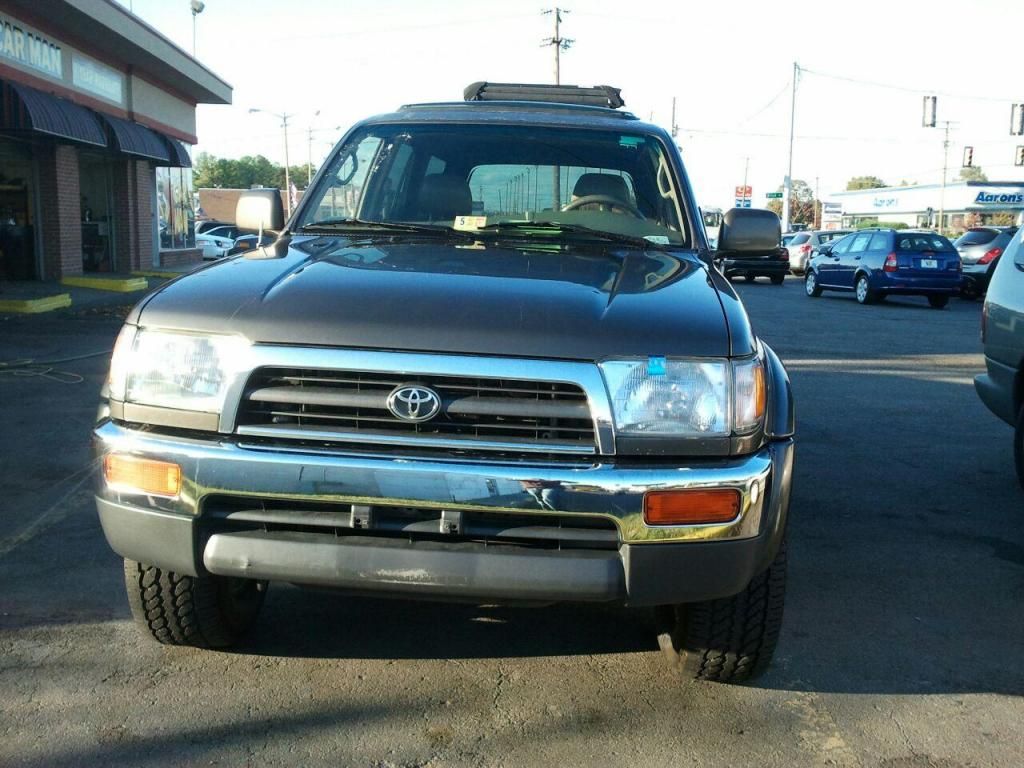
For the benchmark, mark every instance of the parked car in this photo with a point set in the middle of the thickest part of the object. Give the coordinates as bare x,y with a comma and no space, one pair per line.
204,225
803,245
557,401
772,264
249,242
980,249
1001,387
875,263
217,241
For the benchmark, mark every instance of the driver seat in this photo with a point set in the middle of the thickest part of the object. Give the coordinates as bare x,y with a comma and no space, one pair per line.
602,184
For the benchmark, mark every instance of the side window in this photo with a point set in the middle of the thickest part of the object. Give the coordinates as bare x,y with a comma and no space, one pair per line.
842,246
860,243
879,242
345,180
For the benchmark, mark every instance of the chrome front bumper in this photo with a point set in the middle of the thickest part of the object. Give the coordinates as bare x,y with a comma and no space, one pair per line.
170,536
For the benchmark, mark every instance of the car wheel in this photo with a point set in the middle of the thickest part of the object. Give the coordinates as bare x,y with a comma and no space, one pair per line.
200,611
863,290
1018,447
811,287
778,279
938,302
731,639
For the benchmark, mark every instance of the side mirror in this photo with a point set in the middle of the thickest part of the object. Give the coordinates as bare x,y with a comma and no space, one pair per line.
750,231
260,209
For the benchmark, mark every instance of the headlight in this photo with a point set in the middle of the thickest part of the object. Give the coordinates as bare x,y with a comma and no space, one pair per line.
685,398
174,370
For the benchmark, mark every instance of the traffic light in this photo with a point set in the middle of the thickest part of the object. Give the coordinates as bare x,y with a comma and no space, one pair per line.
1017,120
968,157
928,113
1018,158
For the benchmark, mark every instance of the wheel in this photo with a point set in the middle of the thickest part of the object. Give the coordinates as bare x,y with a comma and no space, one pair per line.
731,639
1018,447
811,287
750,278
863,289
203,612
938,302
778,279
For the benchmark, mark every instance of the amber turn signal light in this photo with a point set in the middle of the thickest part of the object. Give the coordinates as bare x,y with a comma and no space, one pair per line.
156,478
691,507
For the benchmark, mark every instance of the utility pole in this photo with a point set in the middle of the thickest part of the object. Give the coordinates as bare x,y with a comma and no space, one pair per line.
560,44
788,193
287,177
309,159
945,168
746,169
817,205
675,128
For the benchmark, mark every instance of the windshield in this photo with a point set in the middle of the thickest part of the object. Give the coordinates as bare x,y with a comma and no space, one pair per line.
473,177
977,237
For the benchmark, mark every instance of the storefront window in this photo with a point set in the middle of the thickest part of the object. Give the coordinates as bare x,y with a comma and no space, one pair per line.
175,212
17,238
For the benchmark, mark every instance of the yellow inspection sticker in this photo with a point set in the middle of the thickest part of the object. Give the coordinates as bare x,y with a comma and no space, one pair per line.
469,223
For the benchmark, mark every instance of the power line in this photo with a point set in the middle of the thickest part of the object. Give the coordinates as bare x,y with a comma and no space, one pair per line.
767,106
902,88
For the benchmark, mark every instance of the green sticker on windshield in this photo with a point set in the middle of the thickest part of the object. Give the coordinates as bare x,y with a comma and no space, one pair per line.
630,141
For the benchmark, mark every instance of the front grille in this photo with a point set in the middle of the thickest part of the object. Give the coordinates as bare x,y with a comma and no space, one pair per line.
351,407
548,531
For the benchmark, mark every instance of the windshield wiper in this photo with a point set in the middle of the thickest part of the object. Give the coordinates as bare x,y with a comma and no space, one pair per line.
572,229
391,226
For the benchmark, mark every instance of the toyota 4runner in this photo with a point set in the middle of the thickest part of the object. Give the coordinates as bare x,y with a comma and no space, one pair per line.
487,358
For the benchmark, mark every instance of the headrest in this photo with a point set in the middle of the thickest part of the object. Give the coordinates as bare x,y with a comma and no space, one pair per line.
602,184
445,197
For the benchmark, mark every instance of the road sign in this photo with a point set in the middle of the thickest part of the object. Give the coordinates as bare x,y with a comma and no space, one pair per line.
742,192
742,202
774,195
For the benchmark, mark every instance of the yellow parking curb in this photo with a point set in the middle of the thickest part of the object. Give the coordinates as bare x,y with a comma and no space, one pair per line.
156,273
35,306
118,284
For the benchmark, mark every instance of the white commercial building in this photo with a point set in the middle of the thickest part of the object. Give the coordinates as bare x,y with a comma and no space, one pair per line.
965,204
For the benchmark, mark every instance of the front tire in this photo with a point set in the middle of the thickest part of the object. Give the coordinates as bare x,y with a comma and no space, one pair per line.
811,287
198,611
731,639
863,290
938,302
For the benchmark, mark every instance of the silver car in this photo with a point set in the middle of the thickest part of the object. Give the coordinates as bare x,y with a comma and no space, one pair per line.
1001,387
803,245
980,249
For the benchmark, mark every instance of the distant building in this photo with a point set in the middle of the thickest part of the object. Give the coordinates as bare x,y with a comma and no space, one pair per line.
965,204
97,120
219,204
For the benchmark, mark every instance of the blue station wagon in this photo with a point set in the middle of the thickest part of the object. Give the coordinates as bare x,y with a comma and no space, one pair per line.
875,263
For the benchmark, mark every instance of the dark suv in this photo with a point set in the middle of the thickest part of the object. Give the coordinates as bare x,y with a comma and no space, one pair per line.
876,263
487,359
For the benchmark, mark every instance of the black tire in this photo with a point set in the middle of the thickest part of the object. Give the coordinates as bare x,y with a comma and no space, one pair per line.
202,612
938,302
731,639
778,279
1018,447
863,292
811,287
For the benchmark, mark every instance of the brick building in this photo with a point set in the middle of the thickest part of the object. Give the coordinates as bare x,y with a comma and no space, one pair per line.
97,120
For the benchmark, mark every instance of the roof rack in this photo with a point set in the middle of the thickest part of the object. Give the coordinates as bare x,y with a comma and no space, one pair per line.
595,96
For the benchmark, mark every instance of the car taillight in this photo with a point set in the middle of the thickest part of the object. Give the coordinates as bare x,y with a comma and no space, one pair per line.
989,257
805,248
890,263
784,254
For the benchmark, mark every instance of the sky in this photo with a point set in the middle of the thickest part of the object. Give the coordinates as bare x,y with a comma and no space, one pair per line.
864,70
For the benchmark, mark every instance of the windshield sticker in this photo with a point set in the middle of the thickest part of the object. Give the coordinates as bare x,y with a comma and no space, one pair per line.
630,141
469,223
656,365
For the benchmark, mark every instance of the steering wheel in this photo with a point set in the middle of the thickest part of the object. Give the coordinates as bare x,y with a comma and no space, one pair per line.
607,202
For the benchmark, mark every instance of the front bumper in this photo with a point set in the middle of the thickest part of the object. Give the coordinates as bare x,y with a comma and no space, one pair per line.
650,565
764,267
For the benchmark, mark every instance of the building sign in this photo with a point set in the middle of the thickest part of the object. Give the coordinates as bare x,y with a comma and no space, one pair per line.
30,50
996,198
884,202
97,79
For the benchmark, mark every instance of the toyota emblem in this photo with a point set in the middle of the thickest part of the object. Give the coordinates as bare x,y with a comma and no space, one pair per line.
411,402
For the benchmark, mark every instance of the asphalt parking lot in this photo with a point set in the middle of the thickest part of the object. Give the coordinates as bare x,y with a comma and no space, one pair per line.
901,645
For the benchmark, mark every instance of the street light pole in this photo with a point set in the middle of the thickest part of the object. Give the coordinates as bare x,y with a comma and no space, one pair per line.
197,7
788,193
309,160
283,116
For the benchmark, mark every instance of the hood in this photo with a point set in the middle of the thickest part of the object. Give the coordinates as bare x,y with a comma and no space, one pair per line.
572,301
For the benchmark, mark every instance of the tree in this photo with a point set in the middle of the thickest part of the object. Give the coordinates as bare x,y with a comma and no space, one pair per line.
865,182
802,205
244,172
972,173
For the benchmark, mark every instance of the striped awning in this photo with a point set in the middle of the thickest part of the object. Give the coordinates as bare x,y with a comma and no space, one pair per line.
179,155
134,139
26,109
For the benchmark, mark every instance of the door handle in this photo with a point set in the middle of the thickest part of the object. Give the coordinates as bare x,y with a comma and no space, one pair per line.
856,258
